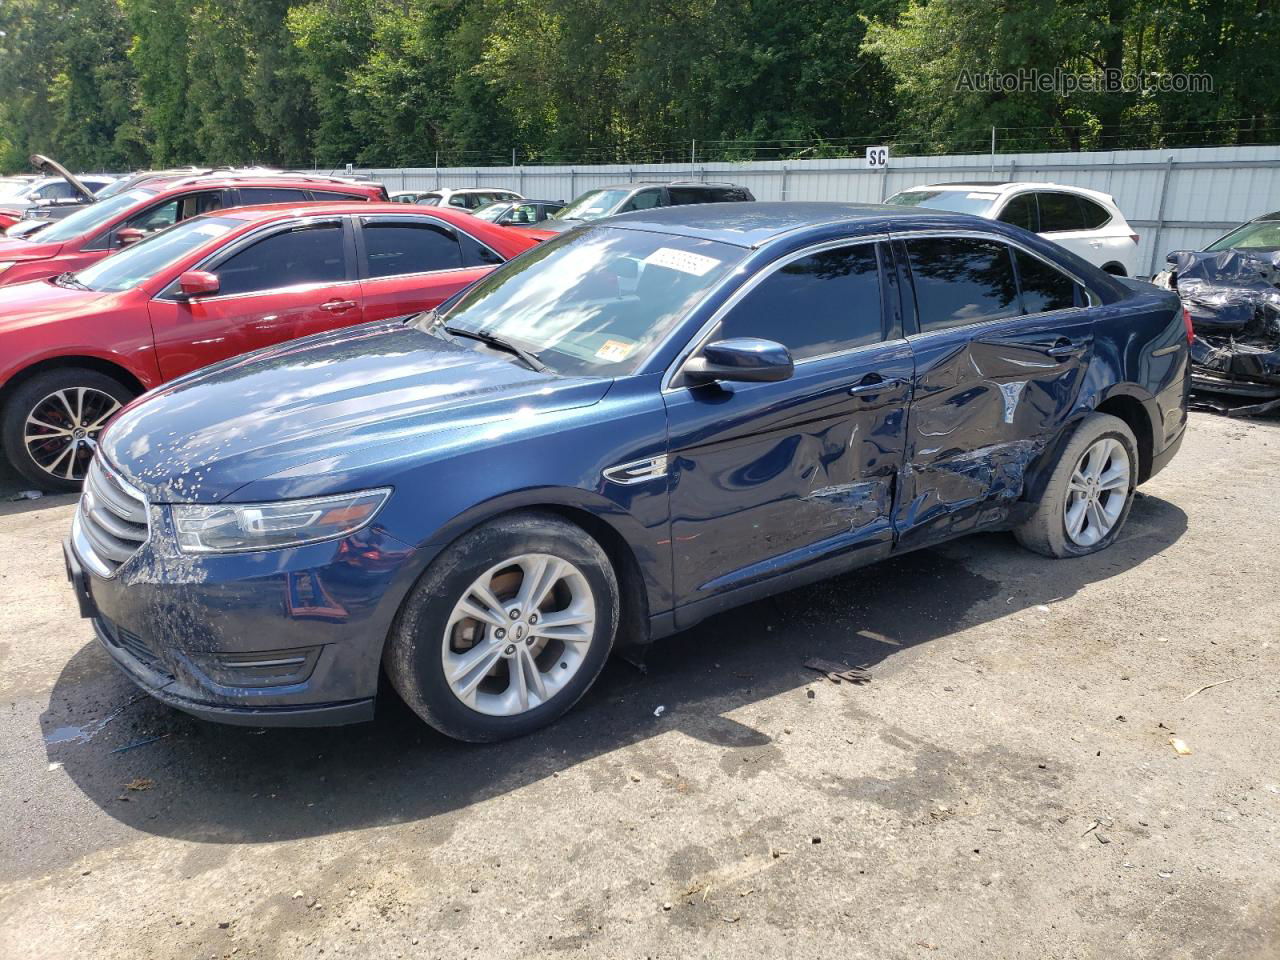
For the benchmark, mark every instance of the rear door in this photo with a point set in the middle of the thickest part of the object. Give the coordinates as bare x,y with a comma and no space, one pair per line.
1064,220
411,263
770,479
279,284
1001,340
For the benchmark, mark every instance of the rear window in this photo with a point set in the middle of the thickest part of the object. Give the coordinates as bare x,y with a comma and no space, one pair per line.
1060,212
684,195
961,280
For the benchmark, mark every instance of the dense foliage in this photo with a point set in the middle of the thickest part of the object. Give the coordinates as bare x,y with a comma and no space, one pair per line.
126,83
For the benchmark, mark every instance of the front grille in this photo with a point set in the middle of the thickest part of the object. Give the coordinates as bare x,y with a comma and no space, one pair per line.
112,519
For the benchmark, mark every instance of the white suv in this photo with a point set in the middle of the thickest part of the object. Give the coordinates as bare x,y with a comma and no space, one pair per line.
1086,222
466,198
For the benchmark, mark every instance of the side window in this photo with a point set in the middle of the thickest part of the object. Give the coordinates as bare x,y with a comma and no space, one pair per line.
459,200
393,248
305,254
1021,212
197,203
961,280
820,304
1095,215
156,218
644,200
522,213
254,195
56,191
1060,211
476,254
1043,287
686,195
334,195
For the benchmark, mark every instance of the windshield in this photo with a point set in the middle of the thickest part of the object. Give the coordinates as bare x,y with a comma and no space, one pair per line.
492,211
958,201
593,205
1260,235
594,301
93,216
132,265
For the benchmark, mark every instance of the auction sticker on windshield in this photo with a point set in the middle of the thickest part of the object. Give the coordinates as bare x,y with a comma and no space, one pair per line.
614,351
691,263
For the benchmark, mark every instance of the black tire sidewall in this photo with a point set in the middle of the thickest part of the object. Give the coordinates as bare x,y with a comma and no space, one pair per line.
1091,431
413,655
24,398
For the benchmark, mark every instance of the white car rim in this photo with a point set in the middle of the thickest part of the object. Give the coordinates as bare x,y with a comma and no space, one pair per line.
518,634
61,430
1097,492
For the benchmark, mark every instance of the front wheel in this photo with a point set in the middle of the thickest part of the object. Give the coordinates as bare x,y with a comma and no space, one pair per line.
507,628
51,423
1088,496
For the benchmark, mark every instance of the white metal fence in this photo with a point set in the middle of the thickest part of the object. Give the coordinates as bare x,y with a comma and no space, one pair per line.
1174,199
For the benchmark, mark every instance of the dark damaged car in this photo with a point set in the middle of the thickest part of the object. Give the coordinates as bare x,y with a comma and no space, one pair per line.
619,433
1231,291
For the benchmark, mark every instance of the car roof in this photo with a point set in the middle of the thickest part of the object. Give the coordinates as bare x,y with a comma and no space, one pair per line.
265,212
755,224
1269,216
1007,186
218,181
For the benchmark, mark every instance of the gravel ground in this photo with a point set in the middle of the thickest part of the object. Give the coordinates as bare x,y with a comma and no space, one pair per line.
1004,787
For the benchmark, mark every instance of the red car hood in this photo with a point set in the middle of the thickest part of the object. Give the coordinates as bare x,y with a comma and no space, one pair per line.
27,250
40,301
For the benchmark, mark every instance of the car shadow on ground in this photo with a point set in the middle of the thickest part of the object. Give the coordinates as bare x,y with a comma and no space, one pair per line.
217,783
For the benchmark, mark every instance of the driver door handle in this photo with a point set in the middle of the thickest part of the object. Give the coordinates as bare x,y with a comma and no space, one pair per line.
337,306
1065,348
873,383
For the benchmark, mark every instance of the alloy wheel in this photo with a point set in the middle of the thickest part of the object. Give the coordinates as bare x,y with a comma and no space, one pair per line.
62,429
1097,492
518,634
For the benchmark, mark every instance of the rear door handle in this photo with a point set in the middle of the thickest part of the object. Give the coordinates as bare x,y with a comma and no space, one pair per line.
337,306
873,383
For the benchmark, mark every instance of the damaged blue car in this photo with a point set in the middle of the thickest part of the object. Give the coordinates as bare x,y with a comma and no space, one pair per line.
621,432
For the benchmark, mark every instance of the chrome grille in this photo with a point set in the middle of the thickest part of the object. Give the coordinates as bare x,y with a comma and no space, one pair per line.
111,523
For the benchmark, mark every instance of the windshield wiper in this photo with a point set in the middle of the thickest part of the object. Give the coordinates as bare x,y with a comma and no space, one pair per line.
68,279
493,340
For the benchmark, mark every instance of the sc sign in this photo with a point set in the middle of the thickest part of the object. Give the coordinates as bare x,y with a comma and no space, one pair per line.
877,158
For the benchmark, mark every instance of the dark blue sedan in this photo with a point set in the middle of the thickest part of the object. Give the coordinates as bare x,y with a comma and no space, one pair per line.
622,431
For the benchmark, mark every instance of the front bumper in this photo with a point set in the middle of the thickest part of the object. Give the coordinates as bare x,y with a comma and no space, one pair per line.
288,637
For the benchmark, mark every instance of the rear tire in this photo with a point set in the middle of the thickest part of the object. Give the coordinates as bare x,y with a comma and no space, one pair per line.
1087,499
506,630
51,421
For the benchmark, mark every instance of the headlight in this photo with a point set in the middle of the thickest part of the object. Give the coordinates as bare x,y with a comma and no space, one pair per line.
230,527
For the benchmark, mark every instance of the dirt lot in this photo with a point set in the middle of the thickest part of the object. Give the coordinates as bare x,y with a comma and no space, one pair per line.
1003,788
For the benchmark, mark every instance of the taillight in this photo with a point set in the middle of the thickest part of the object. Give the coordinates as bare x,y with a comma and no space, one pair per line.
1186,319
1135,238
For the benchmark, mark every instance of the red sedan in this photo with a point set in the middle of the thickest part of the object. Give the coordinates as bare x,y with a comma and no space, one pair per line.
75,348
105,226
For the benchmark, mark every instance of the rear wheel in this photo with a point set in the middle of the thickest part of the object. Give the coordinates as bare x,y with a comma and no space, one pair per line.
1088,496
507,628
51,424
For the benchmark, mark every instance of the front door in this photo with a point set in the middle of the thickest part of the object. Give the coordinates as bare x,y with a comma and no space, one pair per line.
1001,343
288,283
771,479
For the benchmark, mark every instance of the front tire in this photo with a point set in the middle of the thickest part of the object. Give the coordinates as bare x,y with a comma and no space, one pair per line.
1089,493
52,421
506,630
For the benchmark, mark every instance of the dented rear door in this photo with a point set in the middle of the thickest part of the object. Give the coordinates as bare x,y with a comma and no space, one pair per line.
988,394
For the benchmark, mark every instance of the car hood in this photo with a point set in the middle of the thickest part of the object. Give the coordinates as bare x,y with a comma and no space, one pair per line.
13,249
35,302
303,407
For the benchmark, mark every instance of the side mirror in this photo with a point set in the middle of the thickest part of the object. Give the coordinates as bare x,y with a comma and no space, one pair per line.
741,360
196,283
127,236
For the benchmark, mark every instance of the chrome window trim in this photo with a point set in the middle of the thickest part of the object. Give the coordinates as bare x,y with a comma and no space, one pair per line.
698,340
